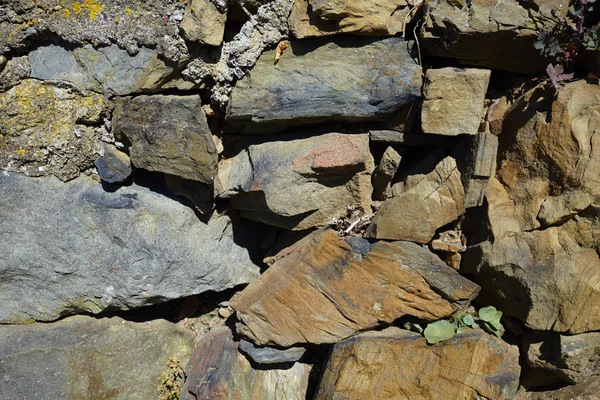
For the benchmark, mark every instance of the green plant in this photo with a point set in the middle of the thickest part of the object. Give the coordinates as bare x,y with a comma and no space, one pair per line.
487,318
170,382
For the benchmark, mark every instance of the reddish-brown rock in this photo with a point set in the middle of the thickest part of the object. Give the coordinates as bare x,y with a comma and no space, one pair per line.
326,288
398,364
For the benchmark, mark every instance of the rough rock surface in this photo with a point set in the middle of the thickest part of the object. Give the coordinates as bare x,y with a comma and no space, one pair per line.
217,370
439,196
543,278
16,69
168,134
311,18
453,100
138,23
113,166
86,358
203,23
398,364
318,80
587,390
572,358
271,355
325,289
30,144
503,33
71,248
384,173
299,182
110,70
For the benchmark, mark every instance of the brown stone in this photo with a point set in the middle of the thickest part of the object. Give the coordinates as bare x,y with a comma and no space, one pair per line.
453,100
435,201
384,173
587,390
311,18
326,288
203,23
218,371
398,364
299,182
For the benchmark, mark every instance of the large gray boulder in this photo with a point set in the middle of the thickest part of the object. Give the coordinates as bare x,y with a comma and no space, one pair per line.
69,248
316,80
82,357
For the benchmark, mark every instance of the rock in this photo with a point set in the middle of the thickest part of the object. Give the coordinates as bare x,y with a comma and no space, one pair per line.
411,139
310,18
72,248
168,134
476,157
218,371
439,196
573,359
114,166
299,182
587,390
110,70
543,277
198,193
384,173
325,288
503,34
132,26
29,143
86,358
203,23
271,355
453,100
399,364
349,79
15,70
561,208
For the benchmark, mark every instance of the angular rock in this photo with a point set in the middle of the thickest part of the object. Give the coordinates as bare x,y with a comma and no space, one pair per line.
439,196
217,370
411,139
86,358
271,355
198,193
561,208
203,23
399,364
45,129
326,288
453,100
587,390
544,278
384,173
299,182
168,134
346,79
16,69
311,18
114,166
110,70
71,248
573,359
502,34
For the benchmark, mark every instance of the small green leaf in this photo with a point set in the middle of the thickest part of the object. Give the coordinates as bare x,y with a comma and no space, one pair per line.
468,319
461,329
438,331
488,313
411,326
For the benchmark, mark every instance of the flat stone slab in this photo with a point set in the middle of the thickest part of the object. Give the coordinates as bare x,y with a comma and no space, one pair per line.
73,247
346,79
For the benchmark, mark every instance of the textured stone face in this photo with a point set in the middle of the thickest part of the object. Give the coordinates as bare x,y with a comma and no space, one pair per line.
86,358
400,365
69,248
217,370
326,288
453,100
203,23
299,182
44,130
439,196
113,166
316,80
587,390
311,18
168,134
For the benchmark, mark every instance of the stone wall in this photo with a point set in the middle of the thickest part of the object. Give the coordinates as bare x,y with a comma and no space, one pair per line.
254,199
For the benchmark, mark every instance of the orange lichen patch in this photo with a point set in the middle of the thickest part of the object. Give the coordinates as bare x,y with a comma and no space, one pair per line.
335,153
67,12
93,7
21,152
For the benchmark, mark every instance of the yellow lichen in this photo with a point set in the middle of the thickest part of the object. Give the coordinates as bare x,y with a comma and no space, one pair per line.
77,7
128,11
94,7
67,12
21,152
